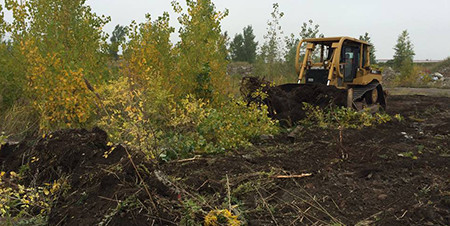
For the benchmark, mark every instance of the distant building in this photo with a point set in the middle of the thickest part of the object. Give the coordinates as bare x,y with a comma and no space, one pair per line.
427,61
383,60
415,61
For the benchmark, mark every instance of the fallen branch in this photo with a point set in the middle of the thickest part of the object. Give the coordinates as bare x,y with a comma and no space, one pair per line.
108,199
229,194
188,160
292,176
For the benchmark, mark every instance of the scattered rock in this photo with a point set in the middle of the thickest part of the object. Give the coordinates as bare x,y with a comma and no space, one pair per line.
267,137
382,196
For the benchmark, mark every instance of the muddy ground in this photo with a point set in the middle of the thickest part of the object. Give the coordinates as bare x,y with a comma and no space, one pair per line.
395,174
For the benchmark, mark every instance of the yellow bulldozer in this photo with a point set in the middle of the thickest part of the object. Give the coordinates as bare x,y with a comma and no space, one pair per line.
342,62
331,72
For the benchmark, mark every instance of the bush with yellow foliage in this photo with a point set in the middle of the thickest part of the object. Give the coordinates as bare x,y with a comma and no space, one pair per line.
59,43
171,101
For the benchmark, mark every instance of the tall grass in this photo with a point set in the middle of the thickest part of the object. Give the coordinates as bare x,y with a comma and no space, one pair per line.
19,121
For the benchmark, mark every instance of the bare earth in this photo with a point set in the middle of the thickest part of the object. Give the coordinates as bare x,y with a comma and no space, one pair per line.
396,174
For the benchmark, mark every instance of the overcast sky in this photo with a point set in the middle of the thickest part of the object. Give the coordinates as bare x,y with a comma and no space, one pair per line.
428,22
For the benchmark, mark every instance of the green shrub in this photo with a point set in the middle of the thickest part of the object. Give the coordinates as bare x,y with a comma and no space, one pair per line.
202,128
409,76
134,116
342,117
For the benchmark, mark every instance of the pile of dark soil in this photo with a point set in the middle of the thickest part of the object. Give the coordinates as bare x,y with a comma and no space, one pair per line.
59,153
100,189
285,102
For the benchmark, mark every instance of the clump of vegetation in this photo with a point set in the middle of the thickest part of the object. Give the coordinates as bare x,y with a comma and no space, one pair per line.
18,202
65,80
201,68
161,127
221,217
200,128
341,119
132,116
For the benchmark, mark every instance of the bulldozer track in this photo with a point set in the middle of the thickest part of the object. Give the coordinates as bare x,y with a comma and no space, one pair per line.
359,91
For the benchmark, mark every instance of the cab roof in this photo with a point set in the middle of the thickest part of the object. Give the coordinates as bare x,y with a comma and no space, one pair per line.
329,40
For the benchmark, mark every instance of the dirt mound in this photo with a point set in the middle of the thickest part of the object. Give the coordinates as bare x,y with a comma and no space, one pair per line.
60,153
285,102
99,186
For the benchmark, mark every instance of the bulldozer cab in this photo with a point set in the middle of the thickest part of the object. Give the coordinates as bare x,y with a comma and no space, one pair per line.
350,58
336,61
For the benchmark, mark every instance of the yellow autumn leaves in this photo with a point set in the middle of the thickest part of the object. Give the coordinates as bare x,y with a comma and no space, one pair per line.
20,199
59,94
